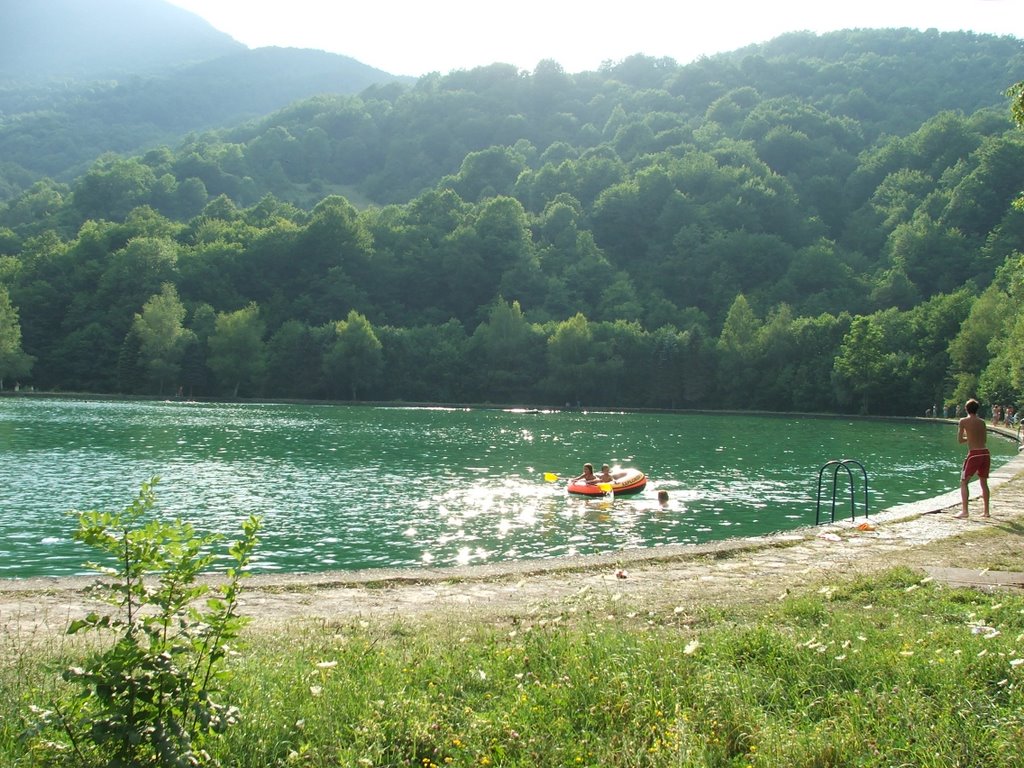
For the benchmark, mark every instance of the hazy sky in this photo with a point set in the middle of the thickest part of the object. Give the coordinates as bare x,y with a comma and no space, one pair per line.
413,37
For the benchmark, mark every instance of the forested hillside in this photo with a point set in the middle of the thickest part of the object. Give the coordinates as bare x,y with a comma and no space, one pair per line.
821,223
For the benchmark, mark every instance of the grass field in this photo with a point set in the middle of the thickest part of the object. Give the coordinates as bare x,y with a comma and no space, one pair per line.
891,670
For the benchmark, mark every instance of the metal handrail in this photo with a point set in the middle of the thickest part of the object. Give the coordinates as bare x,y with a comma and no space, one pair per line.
841,464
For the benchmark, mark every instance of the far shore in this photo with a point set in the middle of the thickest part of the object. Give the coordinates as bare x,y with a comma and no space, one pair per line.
539,408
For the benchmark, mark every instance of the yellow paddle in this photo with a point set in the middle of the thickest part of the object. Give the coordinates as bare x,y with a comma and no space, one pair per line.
551,477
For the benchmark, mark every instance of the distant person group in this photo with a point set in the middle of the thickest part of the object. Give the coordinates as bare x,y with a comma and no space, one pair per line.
1005,415
1001,415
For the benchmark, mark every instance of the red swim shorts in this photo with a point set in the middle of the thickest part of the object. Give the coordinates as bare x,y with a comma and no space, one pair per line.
977,462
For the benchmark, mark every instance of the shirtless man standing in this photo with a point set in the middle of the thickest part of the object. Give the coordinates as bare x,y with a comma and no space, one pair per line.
972,430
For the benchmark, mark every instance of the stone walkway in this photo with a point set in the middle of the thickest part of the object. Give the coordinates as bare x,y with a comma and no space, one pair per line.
681,580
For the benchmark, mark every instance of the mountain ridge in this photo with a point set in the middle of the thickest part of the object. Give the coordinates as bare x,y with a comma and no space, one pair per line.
100,39
130,75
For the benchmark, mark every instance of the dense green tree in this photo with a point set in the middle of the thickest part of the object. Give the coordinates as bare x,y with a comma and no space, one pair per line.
507,354
324,273
130,276
428,363
999,383
931,325
496,239
488,173
42,206
893,288
807,378
738,376
131,375
978,202
354,360
618,219
295,361
899,195
622,352
739,331
195,374
162,336
112,188
411,244
668,367
214,273
572,362
237,350
818,280
1016,95
1000,312
776,353
935,258
973,345
575,269
277,151
89,359
14,363
864,370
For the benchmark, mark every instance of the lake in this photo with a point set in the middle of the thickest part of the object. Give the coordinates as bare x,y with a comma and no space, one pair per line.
354,487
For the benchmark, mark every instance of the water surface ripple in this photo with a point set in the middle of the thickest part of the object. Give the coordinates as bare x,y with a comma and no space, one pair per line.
352,487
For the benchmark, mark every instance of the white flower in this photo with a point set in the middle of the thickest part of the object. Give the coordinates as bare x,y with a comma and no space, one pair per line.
691,647
983,629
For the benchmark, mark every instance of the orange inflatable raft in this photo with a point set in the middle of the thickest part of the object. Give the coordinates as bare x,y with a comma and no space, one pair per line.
626,482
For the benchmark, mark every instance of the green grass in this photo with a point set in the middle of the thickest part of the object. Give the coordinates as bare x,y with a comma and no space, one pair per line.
887,671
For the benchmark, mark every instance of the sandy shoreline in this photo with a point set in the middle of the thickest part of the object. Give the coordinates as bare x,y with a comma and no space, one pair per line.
678,578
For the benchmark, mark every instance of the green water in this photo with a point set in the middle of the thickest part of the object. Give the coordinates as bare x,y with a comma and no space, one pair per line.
360,487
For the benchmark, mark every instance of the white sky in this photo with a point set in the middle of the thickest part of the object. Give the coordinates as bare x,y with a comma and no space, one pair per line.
413,37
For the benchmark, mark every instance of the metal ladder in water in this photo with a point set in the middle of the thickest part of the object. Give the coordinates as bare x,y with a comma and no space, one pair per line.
837,465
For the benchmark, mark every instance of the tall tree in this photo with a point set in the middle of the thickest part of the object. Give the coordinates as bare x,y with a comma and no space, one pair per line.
13,360
571,359
427,363
294,361
863,368
162,336
972,347
505,349
1016,94
237,351
355,359
737,345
